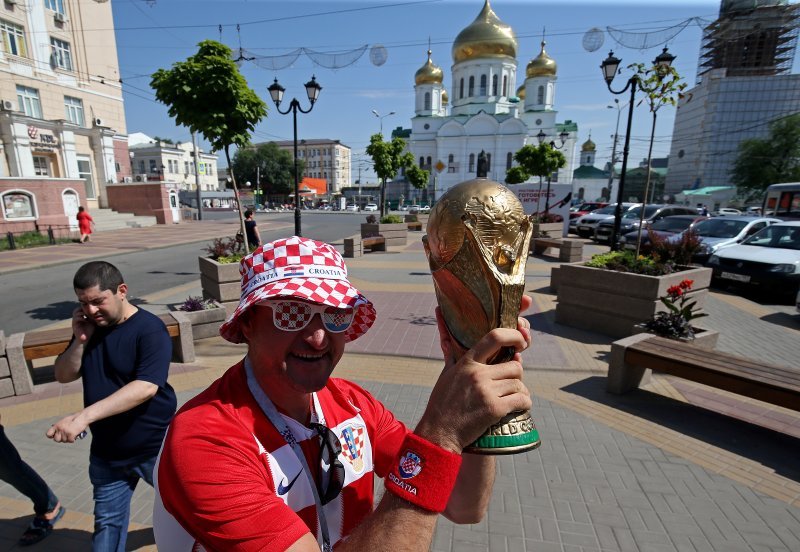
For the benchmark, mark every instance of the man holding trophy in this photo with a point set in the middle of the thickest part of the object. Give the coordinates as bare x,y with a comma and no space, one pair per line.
277,455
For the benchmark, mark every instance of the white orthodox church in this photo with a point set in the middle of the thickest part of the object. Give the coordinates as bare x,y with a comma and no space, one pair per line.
484,110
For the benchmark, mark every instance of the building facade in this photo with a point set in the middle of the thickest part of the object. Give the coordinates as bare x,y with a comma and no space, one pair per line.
484,110
324,158
61,106
159,161
744,83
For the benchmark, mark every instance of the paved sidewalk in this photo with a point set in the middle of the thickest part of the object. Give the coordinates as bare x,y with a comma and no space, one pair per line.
674,466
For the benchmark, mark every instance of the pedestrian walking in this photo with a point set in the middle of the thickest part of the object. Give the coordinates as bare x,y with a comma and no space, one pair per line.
85,224
278,455
17,473
250,226
122,354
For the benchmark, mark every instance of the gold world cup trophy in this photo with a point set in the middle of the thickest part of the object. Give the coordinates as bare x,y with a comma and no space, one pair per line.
477,244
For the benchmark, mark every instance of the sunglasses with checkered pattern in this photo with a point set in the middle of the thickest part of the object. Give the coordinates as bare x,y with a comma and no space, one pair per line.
331,470
293,316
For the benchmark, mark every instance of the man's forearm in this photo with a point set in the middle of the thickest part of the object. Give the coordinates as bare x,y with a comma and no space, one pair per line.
68,364
470,498
130,396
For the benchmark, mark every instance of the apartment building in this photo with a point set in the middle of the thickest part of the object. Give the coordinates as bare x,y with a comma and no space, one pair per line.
159,161
61,106
326,159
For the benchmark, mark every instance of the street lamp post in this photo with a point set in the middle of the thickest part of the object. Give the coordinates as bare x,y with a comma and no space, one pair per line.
381,118
276,93
541,137
609,67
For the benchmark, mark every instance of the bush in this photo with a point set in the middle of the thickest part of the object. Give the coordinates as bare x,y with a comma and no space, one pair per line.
193,304
626,261
391,219
678,252
223,250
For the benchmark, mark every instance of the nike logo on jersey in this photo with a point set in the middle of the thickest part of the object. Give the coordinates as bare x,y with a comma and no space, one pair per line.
283,489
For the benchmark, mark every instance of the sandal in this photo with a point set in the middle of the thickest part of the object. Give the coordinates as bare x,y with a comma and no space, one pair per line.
40,528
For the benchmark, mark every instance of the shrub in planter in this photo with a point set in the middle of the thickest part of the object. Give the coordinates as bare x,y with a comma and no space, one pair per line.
224,250
392,219
675,323
197,303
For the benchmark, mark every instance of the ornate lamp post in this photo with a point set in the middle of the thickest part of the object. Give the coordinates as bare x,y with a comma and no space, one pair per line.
563,135
610,66
276,93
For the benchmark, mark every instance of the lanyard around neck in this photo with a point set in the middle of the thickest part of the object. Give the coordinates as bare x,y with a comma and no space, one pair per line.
283,428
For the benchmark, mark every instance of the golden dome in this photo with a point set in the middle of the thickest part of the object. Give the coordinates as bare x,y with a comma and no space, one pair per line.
487,36
445,98
428,73
588,145
521,92
542,65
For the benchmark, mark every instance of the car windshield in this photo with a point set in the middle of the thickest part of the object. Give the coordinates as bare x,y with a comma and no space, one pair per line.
780,237
671,224
719,228
636,212
609,210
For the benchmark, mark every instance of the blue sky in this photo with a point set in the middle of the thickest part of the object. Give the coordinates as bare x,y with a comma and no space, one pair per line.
155,34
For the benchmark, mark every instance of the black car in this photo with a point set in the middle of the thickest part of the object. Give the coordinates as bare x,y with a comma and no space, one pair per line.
630,220
668,226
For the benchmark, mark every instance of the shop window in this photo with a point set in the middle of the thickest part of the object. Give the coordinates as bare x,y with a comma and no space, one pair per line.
41,165
74,110
13,39
18,205
29,103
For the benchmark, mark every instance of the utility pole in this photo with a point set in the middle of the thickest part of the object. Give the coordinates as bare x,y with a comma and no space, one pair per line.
358,202
197,178
613,151
258,179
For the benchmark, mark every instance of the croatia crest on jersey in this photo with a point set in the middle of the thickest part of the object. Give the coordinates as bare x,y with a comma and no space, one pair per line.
352,439
410,465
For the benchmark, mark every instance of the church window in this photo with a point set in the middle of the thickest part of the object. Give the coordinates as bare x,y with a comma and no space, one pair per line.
494,85
540,95
509,157
427,100
471,87
483,85
471,162
461,89
428,164
421,161
505,85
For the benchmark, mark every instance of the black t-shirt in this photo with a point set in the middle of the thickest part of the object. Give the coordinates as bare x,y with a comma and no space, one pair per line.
138,349
250,228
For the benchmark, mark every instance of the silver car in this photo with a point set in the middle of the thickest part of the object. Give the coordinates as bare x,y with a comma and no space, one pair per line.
587,224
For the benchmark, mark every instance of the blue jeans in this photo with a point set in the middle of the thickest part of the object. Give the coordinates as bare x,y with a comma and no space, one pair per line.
15,472
112,489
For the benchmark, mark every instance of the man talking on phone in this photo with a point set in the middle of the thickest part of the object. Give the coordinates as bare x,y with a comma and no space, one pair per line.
122,355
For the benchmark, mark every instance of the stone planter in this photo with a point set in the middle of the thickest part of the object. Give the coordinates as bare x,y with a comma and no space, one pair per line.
395,234
548,229
703,337
205,323
220,282
610,302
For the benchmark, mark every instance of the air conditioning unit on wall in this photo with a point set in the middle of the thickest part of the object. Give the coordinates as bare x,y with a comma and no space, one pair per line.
98,121
140,178
59,17
127,179
8,105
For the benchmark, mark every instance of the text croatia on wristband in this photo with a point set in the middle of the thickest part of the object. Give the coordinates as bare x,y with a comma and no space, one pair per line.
424,474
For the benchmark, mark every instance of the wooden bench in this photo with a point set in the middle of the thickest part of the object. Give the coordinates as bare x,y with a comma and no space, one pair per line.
414,226
633,359
569,250
354,245
23,348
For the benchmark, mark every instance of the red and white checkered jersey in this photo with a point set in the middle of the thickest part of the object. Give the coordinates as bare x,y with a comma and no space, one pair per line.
227,480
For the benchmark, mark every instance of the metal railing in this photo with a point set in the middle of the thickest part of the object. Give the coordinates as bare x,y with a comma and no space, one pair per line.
37,236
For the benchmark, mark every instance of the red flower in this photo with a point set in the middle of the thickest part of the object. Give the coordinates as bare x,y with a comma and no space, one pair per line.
675,291
686,284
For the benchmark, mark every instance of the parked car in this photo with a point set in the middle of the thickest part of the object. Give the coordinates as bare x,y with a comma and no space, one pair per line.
587,223
580,210
719,232
631,218
425,209
664,228
404,207
728,211
371,207
351,207
770,257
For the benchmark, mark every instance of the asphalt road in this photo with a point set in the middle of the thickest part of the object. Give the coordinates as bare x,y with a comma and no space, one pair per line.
35,298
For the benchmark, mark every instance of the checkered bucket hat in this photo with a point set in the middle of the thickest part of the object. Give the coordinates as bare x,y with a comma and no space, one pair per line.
298,268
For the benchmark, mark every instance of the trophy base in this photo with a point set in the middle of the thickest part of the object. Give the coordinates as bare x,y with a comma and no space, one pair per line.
513,434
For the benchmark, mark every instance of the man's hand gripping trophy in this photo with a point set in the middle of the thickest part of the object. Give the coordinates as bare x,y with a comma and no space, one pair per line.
477,245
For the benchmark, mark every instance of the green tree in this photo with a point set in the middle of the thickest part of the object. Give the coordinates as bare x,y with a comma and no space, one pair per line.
774,159
542,161
274,167
207,94
388,158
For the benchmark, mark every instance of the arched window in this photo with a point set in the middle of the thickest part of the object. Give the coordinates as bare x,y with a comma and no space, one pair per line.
581,191
471,162
540,95
428,161
483,85
461,89
450,158
421,161
494,85
471,87
505,85
427,100
509,159
18,204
